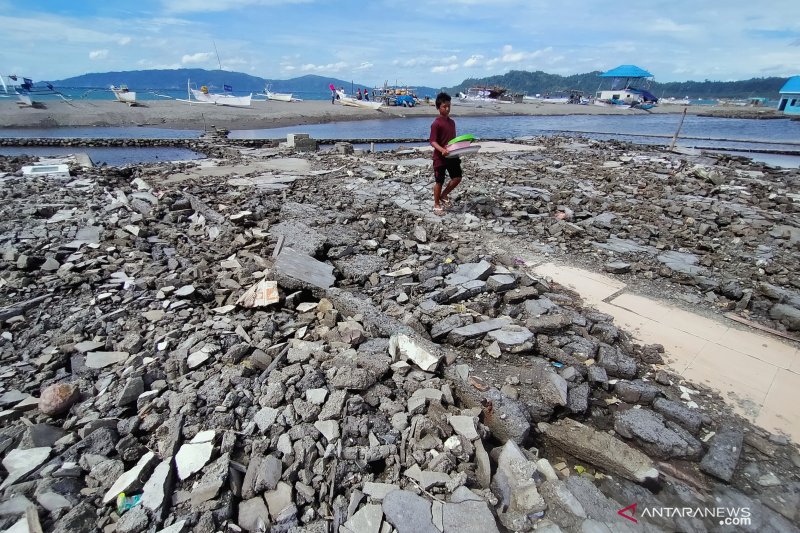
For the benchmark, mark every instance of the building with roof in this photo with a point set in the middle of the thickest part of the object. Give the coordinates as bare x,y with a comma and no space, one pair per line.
628,87
790,97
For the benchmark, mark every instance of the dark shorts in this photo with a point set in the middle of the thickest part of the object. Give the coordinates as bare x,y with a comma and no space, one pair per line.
453,168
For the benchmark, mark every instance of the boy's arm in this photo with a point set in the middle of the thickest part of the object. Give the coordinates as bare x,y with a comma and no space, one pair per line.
439,148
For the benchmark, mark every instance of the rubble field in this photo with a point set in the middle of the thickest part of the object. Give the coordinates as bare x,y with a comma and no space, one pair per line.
291,341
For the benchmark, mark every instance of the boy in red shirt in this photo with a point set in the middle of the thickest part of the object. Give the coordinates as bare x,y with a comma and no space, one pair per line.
443,130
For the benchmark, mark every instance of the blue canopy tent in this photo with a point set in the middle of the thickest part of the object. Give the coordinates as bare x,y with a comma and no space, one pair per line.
630,74
626,71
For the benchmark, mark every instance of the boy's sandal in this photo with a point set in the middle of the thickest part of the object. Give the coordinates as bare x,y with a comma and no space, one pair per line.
438,211
447,203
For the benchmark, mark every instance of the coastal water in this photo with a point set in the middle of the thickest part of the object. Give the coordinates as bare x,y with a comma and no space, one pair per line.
775,141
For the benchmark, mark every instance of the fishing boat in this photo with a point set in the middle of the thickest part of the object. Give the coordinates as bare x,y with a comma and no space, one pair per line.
25,91
279,97
124,95
355,102
204,96
628,89
674,101
484,94
395,95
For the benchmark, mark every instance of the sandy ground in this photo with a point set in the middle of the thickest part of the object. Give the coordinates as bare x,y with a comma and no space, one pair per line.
271,114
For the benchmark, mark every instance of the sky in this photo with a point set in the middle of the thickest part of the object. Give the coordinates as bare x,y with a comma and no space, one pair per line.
435,44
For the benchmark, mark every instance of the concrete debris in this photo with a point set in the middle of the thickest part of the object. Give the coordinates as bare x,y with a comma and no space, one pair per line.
310,356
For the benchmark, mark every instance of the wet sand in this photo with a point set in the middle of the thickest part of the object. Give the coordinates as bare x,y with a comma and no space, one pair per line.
271,114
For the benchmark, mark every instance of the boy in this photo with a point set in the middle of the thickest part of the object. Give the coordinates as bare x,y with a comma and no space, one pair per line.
442,130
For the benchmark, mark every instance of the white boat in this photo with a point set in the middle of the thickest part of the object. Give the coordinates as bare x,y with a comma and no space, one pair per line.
355,102
124,95
203,96
25,91
674,101
279,97
489,95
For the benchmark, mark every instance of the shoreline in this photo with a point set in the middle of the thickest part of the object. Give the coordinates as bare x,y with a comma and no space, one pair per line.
271,114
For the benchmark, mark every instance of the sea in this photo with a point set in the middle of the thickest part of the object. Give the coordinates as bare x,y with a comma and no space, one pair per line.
775,142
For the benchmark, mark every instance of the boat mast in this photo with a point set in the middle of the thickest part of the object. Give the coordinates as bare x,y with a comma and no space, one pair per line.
215,51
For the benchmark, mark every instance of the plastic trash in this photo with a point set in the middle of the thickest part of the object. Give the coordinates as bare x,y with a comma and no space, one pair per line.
127,502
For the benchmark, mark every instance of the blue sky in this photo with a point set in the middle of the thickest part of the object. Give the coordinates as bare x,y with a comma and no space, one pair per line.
409,42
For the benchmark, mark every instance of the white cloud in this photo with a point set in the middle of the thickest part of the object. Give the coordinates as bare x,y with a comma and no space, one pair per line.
198,58
444,68
122,41
364,66
330,67
98,54
474,61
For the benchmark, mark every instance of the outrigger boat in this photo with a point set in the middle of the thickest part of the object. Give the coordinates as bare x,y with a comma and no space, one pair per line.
279,97
124,95
203,96
25,91
355,102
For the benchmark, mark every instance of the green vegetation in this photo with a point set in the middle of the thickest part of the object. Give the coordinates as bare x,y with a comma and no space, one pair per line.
516,81
520,81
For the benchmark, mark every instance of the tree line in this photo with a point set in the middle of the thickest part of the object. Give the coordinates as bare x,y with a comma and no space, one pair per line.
520,81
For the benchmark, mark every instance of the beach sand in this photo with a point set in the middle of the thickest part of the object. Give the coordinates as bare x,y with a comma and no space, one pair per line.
272,114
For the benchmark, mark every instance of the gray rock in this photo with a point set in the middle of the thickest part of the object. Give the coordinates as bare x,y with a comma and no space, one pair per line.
20,463
723,453
562,507
513,338
133,521
470,272
615,362
637,391
787,315
468,517
253,515
130,392
478,329
578,398
649,429
691,419
408,513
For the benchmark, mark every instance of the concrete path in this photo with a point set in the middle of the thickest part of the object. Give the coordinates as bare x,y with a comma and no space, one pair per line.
759,374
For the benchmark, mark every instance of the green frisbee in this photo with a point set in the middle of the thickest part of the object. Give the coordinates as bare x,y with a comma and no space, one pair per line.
467,137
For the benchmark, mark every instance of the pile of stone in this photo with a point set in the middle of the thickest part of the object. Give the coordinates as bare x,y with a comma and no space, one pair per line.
308,349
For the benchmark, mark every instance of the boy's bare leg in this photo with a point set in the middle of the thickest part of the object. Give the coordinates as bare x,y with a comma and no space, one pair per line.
437,195
450,186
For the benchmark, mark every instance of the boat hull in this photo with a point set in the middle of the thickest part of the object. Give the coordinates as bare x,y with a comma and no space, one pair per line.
221,99
354,102
279,97
126,97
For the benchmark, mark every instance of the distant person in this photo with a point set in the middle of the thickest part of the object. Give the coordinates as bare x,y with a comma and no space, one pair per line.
366,95
443,129
333,93
358,96
340,92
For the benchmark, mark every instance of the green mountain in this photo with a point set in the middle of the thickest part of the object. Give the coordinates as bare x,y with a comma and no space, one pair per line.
175,79
520,81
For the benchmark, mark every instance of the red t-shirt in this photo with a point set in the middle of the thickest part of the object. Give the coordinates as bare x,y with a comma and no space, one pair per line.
442,130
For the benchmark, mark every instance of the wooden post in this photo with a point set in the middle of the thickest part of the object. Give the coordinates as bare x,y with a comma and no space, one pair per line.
680,125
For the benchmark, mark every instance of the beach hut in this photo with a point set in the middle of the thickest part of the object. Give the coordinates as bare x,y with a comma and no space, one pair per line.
790,97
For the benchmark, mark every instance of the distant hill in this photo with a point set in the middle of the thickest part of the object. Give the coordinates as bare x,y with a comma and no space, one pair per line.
520,81
175,79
